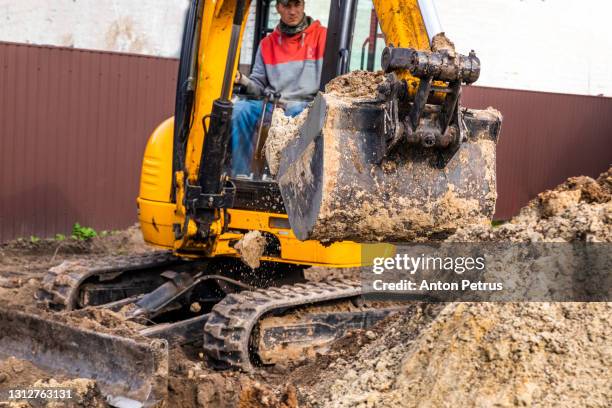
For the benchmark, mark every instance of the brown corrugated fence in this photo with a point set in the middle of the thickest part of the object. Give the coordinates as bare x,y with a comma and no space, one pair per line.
545,139
73,128
74,123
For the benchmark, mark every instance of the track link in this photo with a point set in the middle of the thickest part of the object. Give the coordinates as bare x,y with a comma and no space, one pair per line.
228,330
61,285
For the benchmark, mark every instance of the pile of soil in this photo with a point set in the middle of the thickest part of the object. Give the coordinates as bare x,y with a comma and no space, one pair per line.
364,365
487,354
356,85
492,354
580,209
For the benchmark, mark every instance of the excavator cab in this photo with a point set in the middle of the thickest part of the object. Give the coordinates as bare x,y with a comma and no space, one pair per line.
264,18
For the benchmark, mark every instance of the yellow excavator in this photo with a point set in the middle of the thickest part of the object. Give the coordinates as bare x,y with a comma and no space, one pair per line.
196,289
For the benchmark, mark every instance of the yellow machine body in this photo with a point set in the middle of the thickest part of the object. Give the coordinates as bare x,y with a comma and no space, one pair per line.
401,23
157,217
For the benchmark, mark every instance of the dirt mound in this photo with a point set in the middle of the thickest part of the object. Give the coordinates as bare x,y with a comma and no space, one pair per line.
364,366
535,354
578,210
489,354
357,84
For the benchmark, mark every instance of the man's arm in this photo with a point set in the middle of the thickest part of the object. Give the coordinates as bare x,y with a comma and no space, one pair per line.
257,82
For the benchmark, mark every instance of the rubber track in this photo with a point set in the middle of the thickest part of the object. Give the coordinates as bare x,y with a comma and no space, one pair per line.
228,330
60,286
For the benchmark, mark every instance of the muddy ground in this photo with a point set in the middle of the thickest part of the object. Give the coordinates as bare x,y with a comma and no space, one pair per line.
434,355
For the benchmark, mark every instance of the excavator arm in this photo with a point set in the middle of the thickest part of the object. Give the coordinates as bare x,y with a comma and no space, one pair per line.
202,190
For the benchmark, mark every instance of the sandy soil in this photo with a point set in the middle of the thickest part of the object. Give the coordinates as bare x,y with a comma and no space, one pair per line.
19,374
580,209
282,132
358,85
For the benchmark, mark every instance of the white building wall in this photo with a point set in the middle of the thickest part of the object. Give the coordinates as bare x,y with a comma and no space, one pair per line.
546,45
152,27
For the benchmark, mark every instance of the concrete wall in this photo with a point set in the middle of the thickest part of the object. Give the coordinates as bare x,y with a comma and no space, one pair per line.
152,27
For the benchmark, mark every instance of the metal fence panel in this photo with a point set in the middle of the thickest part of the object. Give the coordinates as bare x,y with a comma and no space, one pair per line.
545,139
73,128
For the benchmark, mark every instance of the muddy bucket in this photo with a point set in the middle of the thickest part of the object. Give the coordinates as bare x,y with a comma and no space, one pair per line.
335,186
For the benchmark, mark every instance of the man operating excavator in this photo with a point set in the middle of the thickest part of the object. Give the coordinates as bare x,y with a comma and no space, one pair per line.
289,63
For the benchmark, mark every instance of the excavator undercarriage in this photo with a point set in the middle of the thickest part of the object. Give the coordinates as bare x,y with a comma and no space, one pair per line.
241,321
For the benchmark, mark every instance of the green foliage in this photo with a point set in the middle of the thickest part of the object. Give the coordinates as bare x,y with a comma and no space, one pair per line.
83,233
60,237
34,239
497,223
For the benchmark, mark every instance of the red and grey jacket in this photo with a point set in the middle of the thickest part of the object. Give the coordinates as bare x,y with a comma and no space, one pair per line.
290,65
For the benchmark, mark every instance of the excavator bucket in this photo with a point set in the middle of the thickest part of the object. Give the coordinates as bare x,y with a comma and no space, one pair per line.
130,373
341,179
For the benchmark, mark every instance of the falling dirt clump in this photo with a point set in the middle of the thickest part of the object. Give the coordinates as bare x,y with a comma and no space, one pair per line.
357,84
283,130
578,210
251,247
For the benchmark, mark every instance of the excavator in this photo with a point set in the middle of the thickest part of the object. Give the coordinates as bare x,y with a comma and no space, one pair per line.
195,289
